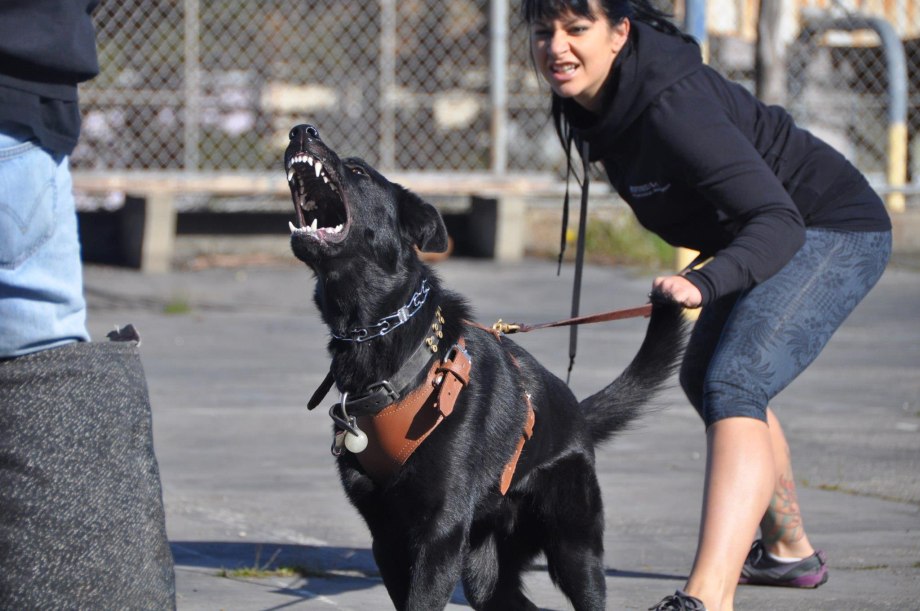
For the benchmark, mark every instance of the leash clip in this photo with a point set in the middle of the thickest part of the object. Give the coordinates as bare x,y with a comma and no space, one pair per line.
506,327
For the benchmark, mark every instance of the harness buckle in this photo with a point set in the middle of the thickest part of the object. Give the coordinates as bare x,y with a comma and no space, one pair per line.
384,385
454,350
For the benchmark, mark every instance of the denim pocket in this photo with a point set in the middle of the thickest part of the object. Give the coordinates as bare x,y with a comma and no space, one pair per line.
27,202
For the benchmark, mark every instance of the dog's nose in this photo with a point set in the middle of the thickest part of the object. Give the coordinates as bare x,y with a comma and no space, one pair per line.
304,132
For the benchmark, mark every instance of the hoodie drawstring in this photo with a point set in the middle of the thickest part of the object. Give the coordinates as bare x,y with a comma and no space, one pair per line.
579,252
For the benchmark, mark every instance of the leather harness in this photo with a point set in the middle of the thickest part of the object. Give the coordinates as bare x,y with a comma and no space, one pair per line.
397,430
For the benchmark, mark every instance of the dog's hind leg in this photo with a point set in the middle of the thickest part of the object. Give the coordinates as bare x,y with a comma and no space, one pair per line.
579,572
574,544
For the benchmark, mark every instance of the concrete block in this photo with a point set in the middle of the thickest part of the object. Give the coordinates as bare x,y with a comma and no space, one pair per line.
148,231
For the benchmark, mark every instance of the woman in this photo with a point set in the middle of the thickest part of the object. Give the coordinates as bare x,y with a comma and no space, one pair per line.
796,238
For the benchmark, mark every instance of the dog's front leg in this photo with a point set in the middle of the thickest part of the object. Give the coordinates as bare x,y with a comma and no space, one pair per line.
437,565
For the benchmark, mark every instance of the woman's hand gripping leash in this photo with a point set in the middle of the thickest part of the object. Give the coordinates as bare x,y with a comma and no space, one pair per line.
677,288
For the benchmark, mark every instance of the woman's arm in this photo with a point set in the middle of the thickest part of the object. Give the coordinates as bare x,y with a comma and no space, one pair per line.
699,143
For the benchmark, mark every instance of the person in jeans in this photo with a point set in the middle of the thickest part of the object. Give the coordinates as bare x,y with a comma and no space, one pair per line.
81,513
795,238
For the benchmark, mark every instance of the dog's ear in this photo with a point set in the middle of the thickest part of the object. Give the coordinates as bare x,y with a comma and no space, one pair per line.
422,223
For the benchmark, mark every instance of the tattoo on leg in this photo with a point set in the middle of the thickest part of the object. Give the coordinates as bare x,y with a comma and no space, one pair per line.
782,522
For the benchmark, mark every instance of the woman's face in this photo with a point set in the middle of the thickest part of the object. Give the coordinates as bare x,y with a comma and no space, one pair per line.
574,54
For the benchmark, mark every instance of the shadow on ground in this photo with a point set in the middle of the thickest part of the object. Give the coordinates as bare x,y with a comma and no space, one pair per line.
341,569
306,559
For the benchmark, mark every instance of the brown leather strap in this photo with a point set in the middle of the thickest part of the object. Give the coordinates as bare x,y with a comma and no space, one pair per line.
455,374
398,430
508,328
508,473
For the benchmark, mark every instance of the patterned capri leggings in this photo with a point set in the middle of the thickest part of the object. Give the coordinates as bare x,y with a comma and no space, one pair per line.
748,346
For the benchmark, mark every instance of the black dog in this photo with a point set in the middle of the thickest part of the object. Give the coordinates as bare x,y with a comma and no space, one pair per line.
494,462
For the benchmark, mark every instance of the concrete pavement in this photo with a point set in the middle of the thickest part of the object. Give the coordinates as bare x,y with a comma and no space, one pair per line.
232,355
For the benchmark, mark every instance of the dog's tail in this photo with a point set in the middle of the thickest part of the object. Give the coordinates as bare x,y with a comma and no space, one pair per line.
614,407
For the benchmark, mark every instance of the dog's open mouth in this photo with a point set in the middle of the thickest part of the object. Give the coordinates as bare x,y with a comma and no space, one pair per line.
318,199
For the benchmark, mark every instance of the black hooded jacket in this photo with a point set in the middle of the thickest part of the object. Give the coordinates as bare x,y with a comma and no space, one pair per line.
46,48
707,166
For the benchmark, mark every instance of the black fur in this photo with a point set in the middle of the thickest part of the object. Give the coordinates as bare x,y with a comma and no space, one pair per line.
441,518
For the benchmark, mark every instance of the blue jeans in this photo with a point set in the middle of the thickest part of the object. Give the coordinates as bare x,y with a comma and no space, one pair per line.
747,347
41,282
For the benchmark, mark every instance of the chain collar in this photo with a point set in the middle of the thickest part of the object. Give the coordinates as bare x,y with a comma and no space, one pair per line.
388,323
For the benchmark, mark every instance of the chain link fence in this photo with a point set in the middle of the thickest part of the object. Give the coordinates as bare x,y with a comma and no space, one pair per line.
841,81
410,85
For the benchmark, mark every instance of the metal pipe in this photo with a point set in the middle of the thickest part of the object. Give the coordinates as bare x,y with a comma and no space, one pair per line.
388,85
498,84
192,78
896,70
695,24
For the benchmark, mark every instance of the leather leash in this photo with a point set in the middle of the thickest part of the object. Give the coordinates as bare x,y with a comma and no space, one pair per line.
643,310
509,328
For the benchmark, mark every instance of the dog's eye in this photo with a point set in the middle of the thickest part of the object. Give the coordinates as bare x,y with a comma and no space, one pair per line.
356,169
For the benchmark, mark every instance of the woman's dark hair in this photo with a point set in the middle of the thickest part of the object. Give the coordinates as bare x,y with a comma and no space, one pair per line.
615,11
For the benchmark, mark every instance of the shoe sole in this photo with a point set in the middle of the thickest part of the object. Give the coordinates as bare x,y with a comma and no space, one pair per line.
809,581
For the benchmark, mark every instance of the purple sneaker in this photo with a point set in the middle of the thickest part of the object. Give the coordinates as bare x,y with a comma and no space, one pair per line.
761,569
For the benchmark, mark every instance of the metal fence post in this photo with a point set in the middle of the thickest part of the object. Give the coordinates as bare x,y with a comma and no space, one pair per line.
498,83
192,134
695,24
387,84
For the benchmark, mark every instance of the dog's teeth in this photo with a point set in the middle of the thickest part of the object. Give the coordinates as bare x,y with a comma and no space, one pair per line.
318,168
325,179
290,175
314,225
293,229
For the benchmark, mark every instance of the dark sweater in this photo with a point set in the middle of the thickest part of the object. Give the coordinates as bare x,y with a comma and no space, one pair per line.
46,48
707,166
